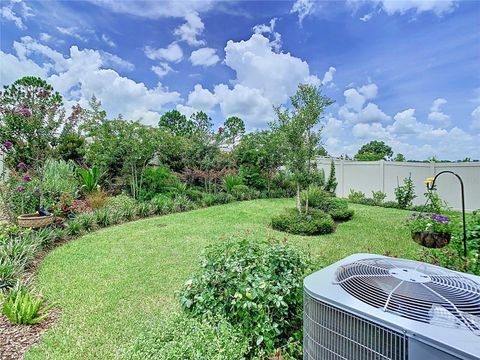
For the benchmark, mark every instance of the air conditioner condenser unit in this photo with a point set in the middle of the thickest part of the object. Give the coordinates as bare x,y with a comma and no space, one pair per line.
371,307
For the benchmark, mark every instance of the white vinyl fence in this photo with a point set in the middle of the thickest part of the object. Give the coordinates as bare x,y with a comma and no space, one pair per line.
368,176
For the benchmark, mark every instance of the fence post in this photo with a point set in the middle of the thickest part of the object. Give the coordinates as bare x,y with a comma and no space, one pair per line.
382,174
343,178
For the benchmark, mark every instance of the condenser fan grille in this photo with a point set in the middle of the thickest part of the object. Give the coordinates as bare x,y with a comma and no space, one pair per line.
414,290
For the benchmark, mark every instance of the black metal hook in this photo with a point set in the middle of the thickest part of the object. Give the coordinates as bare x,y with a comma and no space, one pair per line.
431,186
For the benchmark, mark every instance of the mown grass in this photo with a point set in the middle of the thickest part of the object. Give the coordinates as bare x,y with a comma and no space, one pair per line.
111,282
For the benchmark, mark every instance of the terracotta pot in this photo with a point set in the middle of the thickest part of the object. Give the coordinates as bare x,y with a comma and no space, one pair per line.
35,221
431,240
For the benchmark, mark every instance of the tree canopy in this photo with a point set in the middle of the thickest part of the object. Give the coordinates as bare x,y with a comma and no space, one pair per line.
373,151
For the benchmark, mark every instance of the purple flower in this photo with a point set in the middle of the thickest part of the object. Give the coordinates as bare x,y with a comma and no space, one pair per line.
27,178
8,145
20,188
23,166
24,111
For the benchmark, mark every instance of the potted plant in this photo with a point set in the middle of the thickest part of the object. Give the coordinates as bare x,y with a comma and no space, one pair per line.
430,230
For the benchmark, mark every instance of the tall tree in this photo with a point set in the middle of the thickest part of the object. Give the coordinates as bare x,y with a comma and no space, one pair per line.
373,151
299,137
233,130
399,157
176,123
31,116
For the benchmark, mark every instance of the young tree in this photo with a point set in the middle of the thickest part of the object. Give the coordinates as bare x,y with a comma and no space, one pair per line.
373,151
299,137
31,116
331,184
177,123
262,152
233,130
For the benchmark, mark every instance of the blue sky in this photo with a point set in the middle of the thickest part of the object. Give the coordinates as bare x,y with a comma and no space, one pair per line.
403,71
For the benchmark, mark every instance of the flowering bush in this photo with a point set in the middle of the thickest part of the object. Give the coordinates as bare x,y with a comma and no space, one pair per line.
430,223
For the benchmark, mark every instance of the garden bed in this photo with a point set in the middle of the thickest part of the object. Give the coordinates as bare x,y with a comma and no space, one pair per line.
112,282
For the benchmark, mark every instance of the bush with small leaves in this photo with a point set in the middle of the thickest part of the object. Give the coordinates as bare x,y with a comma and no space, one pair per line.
87,221
20,306
163,204
195,195
224,198
181,337
378,197
356,196
103,217
315,222
242,192
182,203
342,214
73,227
316,197
145,209
123,205
255,285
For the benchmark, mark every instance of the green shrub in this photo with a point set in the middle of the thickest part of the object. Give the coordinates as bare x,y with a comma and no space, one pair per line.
145,209
356,196
255,285
224,198
103,217
332,204
242,192
163,204
73,227
390,204
331,184
342,214
217,199
181,337
10,269
195,195
90,178
20,249
315,222
378,197
59,178
87,221
182,203
230,181
367,201
405,193
123,205
316,197
20,306
156,180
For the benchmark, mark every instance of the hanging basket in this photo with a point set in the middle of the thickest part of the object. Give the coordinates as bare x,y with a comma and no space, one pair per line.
35,221
431,240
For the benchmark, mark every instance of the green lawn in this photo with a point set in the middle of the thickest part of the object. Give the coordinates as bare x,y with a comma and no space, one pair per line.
111,282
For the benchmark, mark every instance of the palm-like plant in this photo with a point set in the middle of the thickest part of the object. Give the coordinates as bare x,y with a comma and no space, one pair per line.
90,178
230,181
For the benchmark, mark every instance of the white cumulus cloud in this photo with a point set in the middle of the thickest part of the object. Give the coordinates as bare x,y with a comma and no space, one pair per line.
436,114
190,30
173,53
201,99
269,30
204,57
328,76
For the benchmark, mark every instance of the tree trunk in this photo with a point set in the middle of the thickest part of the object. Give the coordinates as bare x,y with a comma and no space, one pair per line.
306,201
298,197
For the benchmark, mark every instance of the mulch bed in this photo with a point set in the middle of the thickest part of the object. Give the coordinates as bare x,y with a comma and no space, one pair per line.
15,340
